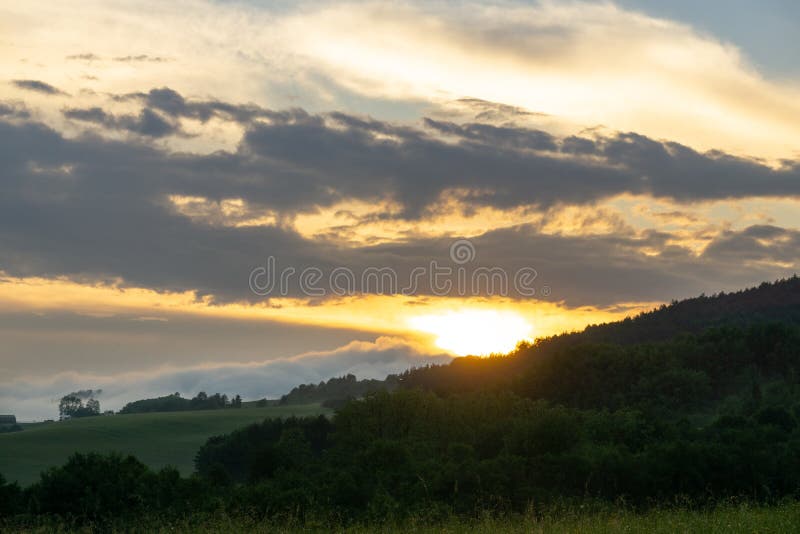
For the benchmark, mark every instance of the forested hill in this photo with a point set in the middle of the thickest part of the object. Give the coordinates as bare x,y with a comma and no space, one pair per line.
778,301
698,318
695,402
336,391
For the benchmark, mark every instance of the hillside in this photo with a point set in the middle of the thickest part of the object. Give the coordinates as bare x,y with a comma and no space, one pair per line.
778,301
157,439
704,407
769,303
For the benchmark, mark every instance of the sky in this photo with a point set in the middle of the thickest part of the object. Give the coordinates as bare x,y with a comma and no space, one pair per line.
245,196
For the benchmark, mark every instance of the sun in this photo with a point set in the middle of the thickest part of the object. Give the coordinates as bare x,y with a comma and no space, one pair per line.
475,332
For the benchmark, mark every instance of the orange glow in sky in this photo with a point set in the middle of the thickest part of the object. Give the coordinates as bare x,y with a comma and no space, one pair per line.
475,332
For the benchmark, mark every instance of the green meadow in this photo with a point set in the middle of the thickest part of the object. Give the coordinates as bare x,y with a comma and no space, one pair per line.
157,439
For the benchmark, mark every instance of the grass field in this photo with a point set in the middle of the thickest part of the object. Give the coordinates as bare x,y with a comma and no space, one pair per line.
157,439
722,520
727,518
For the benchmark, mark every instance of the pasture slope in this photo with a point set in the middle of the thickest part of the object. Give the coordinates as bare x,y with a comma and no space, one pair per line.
157,439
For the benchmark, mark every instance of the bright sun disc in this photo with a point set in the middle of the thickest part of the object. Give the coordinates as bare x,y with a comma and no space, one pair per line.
476,332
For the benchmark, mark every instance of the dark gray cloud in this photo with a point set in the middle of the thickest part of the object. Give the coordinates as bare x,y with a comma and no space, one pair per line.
601,269
174,104
504,166
38,86
760,243
147,122
509,137
92,208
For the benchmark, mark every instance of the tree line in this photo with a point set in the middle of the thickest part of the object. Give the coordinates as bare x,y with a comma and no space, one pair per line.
336,391
79,404
176,403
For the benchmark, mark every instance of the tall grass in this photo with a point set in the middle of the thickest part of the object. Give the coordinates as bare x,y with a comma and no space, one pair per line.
727,518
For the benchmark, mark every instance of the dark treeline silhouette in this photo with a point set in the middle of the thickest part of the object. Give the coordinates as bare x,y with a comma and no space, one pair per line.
708,413
100,490
73,405
778,301
335,390
176,403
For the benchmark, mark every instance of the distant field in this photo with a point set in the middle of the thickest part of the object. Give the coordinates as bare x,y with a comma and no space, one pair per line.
157,439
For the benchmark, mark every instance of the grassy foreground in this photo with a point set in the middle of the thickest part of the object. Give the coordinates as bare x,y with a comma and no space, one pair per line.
157,439
729,518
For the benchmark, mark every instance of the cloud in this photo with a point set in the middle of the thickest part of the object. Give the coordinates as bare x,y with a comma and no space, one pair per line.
580,63
589,63
37,86
87,56
36,399
141,57
147,122
503,166
172,103
94,208
13,110
757,244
